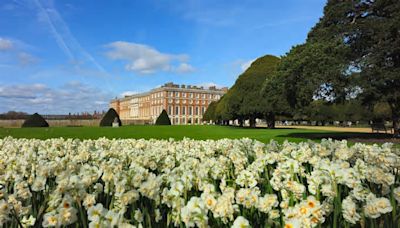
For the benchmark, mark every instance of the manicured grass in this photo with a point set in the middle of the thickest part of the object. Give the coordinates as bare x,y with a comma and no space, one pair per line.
200,132
160,132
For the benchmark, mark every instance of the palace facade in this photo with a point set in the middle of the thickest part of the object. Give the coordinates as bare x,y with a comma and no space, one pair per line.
184,104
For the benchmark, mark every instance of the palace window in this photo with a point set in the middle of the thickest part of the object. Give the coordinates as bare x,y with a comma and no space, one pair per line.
197,111
169,110
190,110
176,110
183,110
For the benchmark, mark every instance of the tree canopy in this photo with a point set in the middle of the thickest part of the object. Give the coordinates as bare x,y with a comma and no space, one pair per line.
353,52
244,100
348,69
209,115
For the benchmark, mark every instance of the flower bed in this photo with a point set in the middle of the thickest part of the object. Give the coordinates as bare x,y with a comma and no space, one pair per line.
158,183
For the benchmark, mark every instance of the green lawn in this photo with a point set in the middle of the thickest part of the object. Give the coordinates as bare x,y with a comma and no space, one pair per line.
181,131
158,132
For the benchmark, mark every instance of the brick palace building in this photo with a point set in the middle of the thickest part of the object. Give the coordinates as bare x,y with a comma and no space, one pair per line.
184,104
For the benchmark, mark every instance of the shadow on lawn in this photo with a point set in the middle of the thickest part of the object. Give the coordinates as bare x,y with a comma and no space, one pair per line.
256,128
341,135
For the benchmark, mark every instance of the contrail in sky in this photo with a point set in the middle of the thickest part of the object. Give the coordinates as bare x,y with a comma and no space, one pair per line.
63,36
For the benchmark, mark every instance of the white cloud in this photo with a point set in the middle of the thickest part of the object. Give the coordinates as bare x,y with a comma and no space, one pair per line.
246,64
22,91
26,59
15,51
144,59
184,68
209,84
71,97
128,93
5,44
101,102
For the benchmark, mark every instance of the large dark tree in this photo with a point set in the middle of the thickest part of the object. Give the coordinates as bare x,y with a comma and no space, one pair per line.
371,30
323,112
352,52
222,110
250,85
35,120
163,118
231,104
246,100
311,72
209,115
109,118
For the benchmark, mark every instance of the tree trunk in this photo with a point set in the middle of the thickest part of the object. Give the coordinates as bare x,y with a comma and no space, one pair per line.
270,121
395,119
252,122
240,122
396,126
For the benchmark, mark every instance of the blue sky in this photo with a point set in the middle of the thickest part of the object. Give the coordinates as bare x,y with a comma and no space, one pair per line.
74,56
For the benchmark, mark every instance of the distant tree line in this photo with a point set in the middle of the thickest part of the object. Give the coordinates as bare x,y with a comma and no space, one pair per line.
13,115
86,115
347,70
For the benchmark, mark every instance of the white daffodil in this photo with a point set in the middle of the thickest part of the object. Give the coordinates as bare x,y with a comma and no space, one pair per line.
194,183
349,209
51,219
28,221
96,212
241,222
67,215
138,216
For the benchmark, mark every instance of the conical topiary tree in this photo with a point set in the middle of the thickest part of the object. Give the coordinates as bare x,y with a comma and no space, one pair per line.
35,120
108,119
163,118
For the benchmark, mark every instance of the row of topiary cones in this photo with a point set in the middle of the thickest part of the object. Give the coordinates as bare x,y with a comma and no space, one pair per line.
108,119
